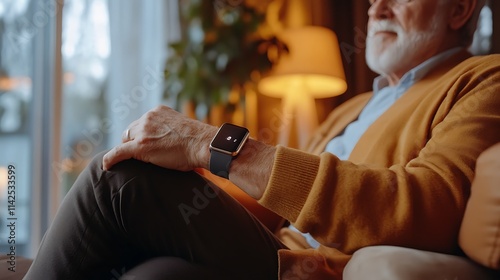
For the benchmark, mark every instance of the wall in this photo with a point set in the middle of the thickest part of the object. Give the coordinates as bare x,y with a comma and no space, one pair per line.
348,20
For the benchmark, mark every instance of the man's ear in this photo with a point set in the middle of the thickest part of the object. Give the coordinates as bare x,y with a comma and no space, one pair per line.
462,11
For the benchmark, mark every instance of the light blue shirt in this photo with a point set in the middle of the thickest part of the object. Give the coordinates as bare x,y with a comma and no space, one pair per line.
383,97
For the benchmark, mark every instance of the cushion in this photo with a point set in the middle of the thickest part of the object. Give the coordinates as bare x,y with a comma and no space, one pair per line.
480,230
398,263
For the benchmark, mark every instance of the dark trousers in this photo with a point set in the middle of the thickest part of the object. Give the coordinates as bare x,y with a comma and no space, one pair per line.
140,221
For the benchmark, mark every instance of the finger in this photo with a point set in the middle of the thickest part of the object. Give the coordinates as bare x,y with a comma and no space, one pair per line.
119,153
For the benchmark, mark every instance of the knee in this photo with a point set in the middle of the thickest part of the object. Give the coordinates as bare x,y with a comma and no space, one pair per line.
94,182
93,178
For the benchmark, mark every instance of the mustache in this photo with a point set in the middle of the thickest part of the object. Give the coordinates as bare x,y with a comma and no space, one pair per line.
384,25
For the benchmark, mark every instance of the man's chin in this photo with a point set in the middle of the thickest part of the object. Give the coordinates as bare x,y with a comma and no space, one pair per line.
383,59
376,62
383,65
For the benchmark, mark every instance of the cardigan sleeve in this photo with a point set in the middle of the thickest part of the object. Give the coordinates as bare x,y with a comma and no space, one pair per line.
417,203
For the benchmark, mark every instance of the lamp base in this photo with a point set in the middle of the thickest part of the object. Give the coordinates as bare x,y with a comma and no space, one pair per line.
299,112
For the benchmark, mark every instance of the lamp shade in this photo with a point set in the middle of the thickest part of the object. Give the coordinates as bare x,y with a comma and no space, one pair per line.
313,63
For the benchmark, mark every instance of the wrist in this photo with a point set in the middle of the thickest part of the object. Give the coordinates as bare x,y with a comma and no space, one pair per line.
202,151
251,170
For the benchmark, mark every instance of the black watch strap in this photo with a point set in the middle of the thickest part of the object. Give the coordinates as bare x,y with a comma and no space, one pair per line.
219,163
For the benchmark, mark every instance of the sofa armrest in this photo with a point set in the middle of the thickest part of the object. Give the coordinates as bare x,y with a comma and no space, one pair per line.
398,263
13,268
480,230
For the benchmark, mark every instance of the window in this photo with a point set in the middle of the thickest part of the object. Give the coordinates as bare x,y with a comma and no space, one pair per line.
484,32
56,92
113,54
85,52
26,91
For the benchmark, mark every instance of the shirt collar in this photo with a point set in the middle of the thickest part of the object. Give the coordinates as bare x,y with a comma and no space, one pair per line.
416,73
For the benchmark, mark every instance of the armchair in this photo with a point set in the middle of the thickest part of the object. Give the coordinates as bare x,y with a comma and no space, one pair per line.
479,238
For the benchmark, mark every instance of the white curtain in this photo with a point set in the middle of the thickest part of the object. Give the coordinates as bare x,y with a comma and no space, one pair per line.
140,32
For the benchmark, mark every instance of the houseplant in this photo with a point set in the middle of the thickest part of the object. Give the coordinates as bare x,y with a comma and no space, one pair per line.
221,50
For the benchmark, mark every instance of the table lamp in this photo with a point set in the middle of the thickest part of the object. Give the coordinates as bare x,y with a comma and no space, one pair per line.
312,69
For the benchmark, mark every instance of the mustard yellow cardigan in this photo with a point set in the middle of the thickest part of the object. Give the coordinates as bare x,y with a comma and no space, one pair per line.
408,178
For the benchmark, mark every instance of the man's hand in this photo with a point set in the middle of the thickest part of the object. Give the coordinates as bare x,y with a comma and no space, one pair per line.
166,138
169,139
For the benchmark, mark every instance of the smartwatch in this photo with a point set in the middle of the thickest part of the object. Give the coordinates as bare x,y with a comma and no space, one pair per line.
226,145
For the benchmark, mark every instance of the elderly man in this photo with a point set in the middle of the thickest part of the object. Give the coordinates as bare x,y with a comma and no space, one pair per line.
393,167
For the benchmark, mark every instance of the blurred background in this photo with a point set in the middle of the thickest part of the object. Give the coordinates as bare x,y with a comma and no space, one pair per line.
75,73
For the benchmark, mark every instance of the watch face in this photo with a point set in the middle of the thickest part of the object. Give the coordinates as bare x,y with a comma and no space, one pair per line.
229,138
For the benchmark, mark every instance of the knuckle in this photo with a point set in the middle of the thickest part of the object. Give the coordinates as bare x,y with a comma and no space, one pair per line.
161,107
150,116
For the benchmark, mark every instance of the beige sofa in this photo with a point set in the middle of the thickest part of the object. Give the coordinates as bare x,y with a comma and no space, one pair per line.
479,238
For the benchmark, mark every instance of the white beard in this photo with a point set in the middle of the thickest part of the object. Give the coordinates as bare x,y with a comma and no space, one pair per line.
401,54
